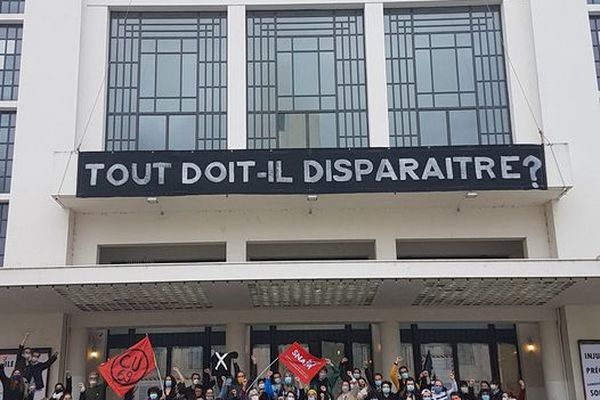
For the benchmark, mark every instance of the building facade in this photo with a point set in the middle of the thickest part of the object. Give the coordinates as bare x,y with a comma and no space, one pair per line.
131,136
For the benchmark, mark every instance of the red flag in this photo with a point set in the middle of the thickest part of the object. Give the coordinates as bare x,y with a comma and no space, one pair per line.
301,363
124,371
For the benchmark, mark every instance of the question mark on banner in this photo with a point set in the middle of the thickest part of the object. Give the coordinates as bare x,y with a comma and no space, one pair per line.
534,164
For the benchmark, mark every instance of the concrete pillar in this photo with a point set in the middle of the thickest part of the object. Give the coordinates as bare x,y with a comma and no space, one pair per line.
76,355
377,347
376,76
554,375
236,77
390,344
235,337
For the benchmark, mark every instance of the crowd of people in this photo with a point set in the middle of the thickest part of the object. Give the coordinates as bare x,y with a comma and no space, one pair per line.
333,382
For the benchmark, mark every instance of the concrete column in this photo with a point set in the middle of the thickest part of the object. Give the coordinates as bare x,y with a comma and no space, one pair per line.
390,344
235,337
377,347
554,375
376,76
76,355
236,77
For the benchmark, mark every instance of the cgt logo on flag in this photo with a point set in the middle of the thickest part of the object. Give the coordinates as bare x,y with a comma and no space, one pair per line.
301,363
124,371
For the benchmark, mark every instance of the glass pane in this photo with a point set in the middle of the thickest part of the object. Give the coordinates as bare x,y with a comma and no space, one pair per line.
433,128
406,351
508,360
152,135
262,352
463,127
322,130
332,350
441,356
361,353
292,131
474,361
168,75
187,359
306,72
182,132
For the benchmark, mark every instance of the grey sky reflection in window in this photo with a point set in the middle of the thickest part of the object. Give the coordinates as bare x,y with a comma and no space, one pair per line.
446,77
306,79
167,82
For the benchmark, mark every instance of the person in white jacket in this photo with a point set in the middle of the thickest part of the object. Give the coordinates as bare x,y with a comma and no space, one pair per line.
441,392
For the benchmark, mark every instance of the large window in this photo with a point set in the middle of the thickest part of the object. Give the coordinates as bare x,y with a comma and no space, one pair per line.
3,228
595,24
446,77
306,80
7,141
470,350
167,82
10,61
12,6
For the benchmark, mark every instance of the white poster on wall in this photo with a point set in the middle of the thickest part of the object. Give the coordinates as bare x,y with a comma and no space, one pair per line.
11,359
589,352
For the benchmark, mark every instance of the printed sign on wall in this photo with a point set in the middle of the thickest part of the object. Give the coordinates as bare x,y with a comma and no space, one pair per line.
306,171
11,359
589,352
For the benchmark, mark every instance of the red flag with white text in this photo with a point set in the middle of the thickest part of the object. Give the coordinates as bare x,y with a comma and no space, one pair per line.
124,371
301,363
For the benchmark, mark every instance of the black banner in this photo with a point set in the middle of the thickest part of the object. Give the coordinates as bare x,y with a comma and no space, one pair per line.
305,171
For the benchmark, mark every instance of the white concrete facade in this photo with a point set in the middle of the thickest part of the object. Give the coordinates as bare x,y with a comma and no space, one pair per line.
53,238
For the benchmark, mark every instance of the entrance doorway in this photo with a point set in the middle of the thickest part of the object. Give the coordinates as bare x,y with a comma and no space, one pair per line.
326,341
471,351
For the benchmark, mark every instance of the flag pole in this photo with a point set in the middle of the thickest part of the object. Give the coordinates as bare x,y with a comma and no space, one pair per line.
156,365
258,376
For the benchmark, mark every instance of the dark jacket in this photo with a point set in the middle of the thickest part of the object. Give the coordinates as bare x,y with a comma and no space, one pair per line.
33,372
11,390
97,392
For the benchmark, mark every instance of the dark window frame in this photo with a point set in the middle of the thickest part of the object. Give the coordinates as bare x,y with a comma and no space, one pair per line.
485,104
208,104
263,115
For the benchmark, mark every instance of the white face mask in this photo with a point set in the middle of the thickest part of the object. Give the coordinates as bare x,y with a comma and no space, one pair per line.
254,397
345,389
196,381
291,398
464,389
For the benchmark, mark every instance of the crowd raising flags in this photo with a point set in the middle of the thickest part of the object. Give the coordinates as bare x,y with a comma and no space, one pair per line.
305,377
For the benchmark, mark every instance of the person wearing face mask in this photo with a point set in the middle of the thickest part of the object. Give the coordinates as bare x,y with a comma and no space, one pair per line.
399,374
182,389
327,376
209,394
496,390
440,392
411,390
241,380
13,388
60,390
386,392
466,390
484,386
349,388
33,372
485,394
154,393
169,384
374,380
94,391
